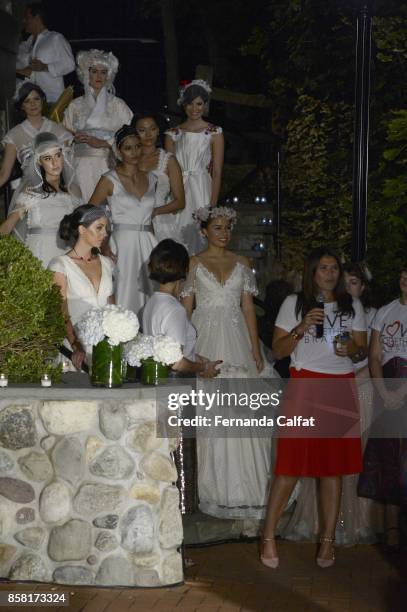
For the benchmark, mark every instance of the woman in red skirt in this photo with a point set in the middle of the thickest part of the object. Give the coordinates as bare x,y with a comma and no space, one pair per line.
322,328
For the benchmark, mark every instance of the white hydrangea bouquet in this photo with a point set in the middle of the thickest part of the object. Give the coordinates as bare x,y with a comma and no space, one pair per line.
154,354
106,330
112,322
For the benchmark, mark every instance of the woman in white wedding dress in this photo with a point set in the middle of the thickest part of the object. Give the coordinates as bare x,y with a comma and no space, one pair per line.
169,195
131,197
199,149
95,117
233,472
30,100
85,277
36,212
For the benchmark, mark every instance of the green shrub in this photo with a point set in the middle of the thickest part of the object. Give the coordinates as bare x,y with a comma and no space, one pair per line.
31,320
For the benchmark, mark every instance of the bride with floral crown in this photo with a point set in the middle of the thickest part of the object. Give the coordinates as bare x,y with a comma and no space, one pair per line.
233,472
199,148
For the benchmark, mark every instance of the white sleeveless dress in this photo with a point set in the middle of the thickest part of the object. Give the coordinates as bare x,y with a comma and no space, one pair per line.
134,239
165,226
233,473
193,152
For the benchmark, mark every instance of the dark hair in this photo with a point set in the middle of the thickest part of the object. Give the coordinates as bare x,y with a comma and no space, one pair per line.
158,118
169,262
124,132
37,9
48,188
69,226
306,299
358,270
192,92
25,91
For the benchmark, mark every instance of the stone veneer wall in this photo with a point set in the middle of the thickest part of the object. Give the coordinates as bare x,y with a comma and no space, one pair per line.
87,494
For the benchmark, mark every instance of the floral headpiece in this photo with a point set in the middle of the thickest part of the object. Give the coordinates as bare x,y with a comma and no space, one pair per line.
203,214
198,83
96,57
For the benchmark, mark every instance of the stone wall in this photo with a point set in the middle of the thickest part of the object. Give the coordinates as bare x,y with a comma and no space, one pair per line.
87,494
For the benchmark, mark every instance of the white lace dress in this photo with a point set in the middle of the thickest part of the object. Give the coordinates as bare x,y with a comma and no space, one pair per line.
233,473
134,239
193,152
91,162
165,226
44,214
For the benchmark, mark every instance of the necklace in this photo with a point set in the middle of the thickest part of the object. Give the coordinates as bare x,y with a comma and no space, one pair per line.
80,256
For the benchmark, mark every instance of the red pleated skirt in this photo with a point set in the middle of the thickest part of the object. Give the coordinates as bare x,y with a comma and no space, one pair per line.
320,456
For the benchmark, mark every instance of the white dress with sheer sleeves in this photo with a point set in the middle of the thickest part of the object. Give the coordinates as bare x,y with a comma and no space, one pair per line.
45,212
233,472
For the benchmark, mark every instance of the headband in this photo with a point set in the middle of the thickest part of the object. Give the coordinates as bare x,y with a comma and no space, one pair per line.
203,214
124,132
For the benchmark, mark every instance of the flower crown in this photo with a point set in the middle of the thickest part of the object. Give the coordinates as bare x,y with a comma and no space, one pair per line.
199,83
203,214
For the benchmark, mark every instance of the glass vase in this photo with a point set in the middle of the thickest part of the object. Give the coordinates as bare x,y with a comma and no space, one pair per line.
106,365
152,372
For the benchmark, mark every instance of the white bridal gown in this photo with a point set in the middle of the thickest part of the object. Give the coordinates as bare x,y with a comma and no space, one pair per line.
193,152
82,295
165,226
233,473
134,239
44,214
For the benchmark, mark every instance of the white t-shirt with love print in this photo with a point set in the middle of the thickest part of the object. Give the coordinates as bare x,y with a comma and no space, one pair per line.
391,322
317,354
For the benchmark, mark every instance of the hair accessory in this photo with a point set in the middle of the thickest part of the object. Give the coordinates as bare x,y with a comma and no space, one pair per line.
203,214
97,57
199,82
92,214
124,132
29,158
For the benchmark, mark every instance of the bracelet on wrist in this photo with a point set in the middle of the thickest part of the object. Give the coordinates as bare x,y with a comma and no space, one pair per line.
294,333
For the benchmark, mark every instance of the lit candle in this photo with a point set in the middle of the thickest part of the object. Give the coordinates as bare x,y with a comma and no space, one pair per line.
3,380
45,381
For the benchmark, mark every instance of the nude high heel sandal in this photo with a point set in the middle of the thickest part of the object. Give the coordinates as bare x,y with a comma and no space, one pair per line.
272,562
321,562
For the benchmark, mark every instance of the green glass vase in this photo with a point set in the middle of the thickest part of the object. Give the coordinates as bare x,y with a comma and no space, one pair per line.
106,365
152,372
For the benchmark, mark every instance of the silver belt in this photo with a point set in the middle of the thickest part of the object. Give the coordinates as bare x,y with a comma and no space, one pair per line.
42,230
135,227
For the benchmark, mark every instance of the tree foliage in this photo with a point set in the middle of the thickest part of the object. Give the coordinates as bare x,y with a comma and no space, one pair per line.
306,48
31,320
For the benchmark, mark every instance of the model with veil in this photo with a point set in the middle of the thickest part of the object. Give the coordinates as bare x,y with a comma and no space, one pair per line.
199,148
95,117
50,193
29,100
233,472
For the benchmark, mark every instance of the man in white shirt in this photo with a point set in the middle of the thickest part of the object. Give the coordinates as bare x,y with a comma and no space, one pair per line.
45,57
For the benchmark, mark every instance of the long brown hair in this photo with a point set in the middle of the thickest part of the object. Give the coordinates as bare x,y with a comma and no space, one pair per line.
306,298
